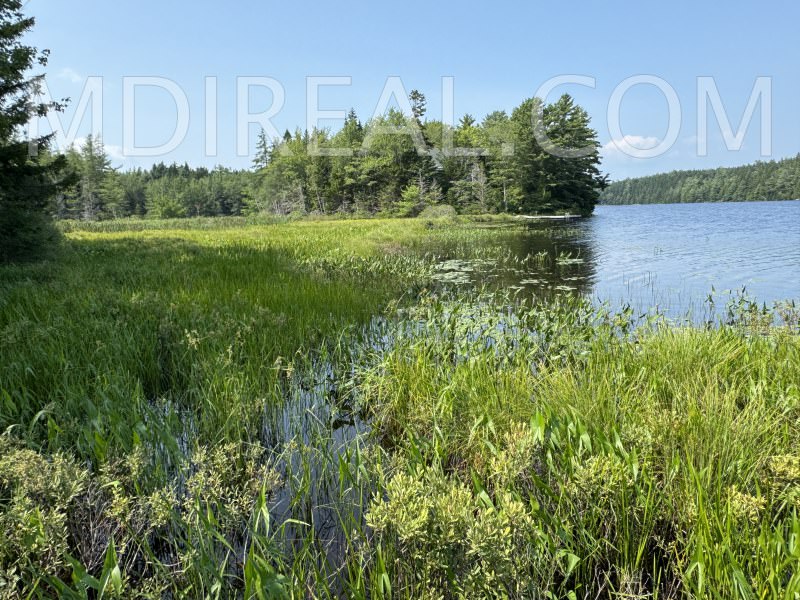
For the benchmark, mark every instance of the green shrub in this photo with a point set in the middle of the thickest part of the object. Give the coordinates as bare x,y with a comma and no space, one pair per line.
438,211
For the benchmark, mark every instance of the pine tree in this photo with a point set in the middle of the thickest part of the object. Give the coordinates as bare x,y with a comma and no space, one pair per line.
573,182
418,105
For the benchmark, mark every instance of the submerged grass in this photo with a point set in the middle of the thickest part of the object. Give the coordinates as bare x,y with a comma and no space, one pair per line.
285,410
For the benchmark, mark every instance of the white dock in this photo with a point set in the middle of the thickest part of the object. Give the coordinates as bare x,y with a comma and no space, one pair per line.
548,217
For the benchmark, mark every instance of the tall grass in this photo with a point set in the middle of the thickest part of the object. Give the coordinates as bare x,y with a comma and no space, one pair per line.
241,409
648,461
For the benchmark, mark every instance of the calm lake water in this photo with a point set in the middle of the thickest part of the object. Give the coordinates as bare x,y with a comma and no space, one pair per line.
665,255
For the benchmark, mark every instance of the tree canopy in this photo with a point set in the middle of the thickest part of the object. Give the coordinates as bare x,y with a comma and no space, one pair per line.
773,180
395,165
398,164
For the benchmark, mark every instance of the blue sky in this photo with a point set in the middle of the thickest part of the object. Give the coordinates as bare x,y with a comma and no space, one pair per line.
498,53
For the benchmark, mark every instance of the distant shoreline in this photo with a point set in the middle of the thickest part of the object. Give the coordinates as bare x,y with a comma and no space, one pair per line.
772,201
756,182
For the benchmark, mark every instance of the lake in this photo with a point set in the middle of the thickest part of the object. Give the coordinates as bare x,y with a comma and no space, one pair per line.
669,256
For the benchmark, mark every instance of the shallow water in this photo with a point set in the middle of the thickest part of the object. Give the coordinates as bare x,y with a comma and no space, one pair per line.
669,256
666,257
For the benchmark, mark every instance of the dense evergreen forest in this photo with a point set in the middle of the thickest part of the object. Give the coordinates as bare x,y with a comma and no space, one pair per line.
773,180
395,165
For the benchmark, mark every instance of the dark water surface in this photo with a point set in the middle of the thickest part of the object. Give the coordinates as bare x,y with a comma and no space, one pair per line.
668,256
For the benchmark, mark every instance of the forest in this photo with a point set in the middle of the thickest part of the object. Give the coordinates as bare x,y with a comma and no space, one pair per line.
772,180
394,165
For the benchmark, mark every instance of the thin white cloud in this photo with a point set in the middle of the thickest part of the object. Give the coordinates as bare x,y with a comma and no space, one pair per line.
637,142
115,153
76,145
629,146
71,75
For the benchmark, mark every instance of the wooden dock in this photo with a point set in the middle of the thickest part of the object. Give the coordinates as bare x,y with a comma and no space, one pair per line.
548,217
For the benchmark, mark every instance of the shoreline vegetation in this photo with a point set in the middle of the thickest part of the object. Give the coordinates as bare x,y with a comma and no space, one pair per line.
760,181
396,165
240,409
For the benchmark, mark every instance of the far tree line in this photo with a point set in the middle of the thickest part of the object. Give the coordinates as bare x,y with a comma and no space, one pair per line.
99,191
772,180
395,165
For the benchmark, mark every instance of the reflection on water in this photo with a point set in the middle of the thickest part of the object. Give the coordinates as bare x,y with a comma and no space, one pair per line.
667,256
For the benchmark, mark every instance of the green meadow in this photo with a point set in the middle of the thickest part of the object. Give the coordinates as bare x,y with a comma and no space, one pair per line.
245,408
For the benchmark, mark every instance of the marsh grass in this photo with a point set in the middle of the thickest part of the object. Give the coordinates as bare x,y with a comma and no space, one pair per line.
640,454
240,409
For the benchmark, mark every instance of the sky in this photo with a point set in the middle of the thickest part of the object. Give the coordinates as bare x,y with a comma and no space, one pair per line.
496,53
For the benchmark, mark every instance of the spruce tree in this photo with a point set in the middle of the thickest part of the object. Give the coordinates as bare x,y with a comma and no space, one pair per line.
98,192
30,176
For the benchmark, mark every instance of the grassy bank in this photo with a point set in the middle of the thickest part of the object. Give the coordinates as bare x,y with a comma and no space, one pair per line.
243,409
